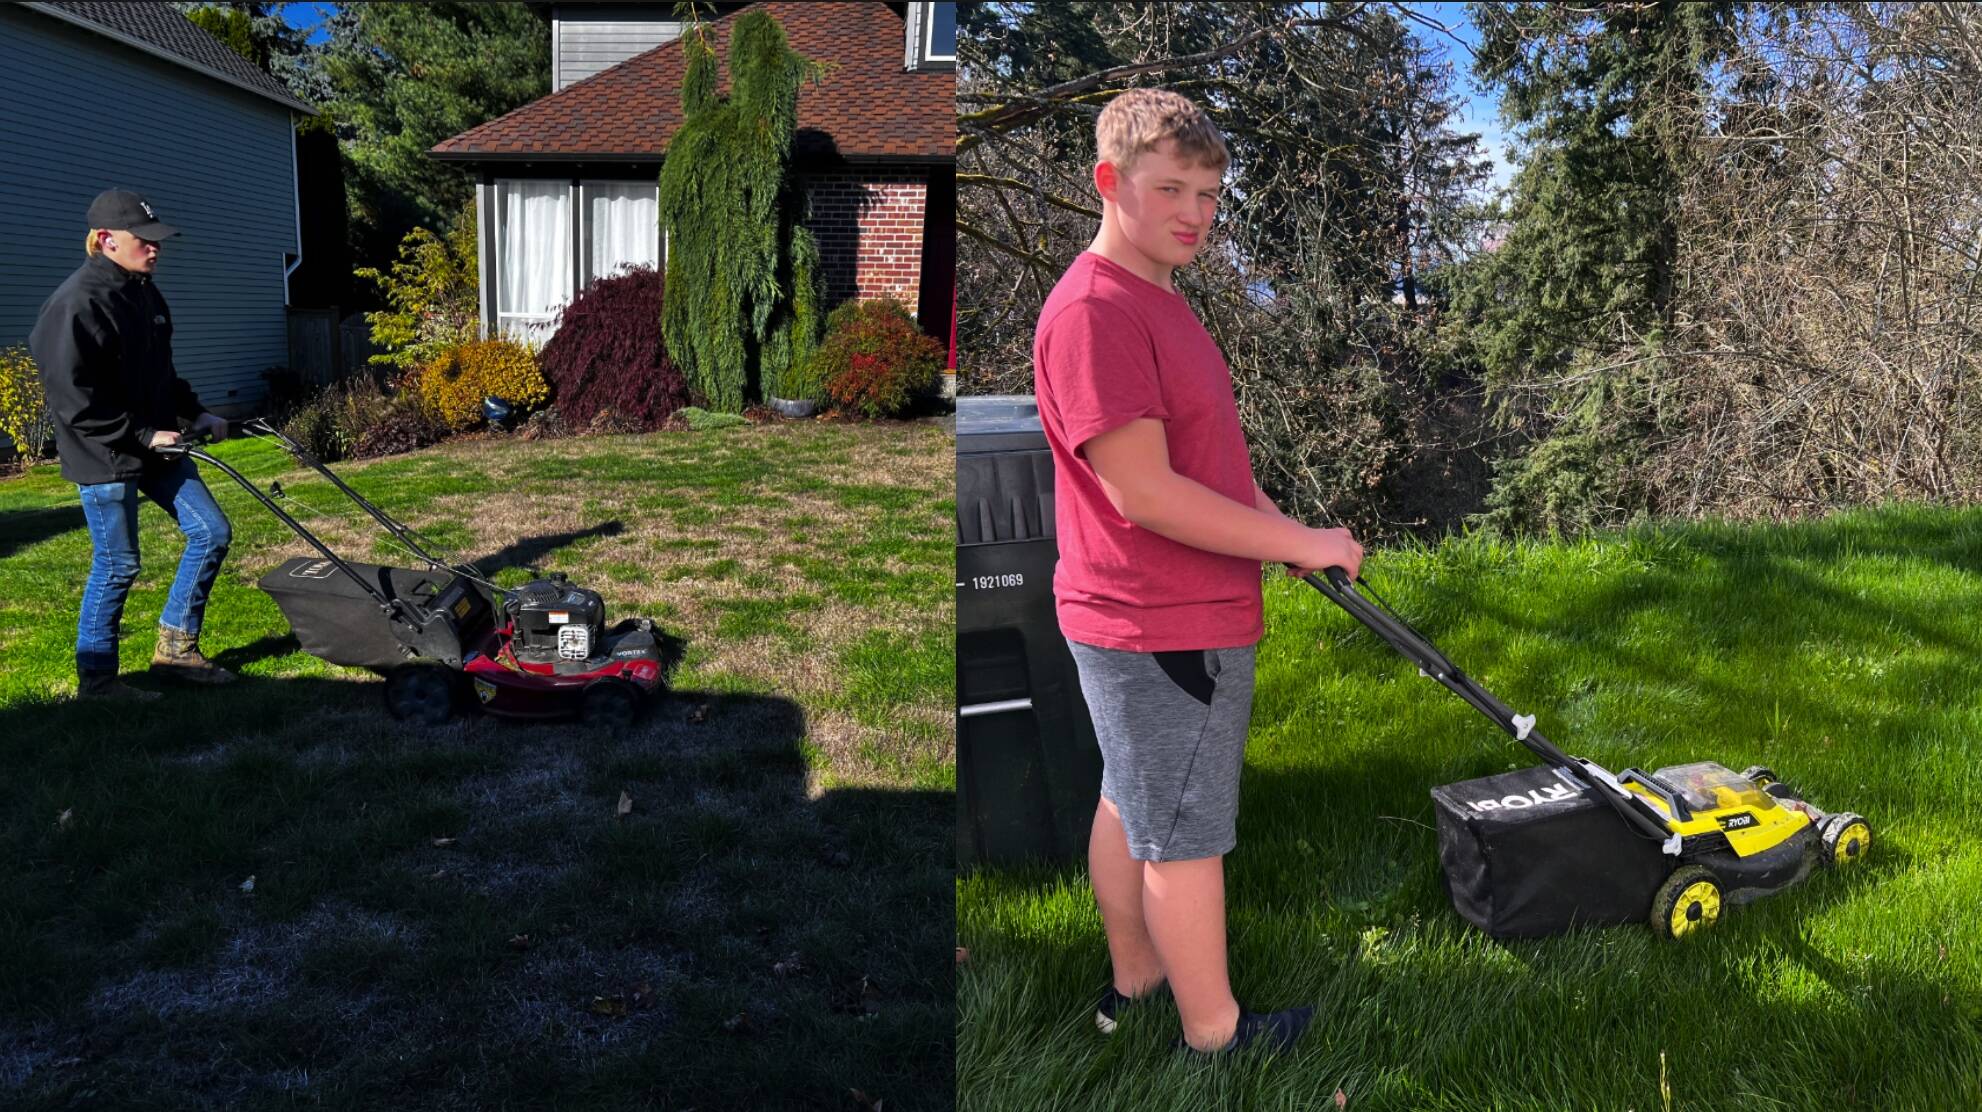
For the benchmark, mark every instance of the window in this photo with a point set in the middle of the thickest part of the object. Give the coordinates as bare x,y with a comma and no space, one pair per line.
622,227
533,256
551,238
939,34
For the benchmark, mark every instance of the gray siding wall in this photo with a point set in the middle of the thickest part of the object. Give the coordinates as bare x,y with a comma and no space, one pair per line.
79,114
587,38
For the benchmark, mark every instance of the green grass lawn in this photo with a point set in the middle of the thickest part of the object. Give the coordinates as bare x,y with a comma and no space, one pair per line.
459,918
1846,654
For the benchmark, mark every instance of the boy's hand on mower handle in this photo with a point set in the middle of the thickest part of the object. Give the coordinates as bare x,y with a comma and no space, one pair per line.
1330,548
163,438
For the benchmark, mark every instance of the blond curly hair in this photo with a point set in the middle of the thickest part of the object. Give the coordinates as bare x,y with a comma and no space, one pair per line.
1139,119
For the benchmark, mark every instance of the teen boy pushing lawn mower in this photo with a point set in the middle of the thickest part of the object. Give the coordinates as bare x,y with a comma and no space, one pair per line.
103,344
1162,532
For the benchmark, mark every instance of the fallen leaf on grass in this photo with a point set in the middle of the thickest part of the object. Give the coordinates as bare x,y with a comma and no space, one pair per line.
443,843
791,965
872,1104
614,1006
963,955
248,885
625,805
519,942
437,874
1341,1099
699,713
62,823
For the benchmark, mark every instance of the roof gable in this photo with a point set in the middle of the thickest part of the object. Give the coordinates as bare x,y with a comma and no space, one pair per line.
161,30
867,107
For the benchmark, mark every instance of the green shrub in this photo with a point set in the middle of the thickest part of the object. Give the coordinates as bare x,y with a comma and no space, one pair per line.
433,296
874,357
701,420
318,425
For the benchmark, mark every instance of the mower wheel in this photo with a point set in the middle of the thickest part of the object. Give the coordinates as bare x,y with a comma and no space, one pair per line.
1687,903
421,693
1847,838
611,704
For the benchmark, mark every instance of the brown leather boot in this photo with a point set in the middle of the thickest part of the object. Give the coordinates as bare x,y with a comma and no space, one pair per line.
178,657
106,685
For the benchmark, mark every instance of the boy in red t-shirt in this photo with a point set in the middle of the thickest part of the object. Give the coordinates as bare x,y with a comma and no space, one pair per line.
1162,531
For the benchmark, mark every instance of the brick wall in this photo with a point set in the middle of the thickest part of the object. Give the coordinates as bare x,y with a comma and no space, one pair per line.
869,226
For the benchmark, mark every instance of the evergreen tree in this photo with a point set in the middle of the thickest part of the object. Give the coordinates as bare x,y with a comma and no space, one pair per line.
741,307
406,76
1607,102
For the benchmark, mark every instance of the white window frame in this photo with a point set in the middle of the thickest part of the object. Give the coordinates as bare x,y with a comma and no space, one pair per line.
928,44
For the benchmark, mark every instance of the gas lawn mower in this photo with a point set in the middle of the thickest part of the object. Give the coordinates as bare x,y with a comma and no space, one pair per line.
541,650
1539,850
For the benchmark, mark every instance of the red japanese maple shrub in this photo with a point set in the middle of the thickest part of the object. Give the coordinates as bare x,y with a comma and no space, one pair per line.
874,357
608,354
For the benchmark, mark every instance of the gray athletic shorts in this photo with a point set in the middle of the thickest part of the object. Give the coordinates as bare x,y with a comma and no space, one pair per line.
1172,727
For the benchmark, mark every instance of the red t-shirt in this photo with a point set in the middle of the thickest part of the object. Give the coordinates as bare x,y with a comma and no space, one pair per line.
1113,347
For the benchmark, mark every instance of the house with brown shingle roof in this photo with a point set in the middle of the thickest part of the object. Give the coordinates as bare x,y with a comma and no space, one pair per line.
566,187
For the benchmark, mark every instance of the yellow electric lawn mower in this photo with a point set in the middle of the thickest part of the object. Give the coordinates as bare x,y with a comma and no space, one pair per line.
1540,850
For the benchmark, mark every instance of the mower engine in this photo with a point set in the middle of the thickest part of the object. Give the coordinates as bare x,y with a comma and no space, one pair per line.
554,622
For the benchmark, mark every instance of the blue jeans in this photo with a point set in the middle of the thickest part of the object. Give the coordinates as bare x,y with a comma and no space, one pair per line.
111,509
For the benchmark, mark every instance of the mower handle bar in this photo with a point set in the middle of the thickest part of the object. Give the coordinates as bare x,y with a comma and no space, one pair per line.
1340,589
190,450
261,426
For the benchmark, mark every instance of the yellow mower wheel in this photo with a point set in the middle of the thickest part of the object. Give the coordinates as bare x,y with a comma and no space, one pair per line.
1688,903
1847,839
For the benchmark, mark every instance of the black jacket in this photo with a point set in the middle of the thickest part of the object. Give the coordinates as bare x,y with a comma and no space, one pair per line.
103,344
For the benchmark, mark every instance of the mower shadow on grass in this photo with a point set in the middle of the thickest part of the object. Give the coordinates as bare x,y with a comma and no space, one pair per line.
485,912
531,551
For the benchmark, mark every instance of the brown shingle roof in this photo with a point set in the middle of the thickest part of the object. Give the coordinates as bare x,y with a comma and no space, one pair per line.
867,107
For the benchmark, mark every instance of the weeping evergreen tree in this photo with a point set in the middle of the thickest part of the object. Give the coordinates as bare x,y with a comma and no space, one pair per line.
741,310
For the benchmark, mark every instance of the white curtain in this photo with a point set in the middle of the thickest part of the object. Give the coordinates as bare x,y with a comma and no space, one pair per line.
623,222
535,237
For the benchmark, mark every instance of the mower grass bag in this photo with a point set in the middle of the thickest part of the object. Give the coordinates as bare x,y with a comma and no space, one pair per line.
1535,852
336,620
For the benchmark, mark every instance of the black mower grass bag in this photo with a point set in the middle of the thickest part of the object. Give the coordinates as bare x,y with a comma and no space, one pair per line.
1535,852
336,620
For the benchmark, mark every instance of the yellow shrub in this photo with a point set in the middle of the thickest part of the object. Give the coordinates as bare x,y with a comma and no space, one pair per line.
451,388
23,408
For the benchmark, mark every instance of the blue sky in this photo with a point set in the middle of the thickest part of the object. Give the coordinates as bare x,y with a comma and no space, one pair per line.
308,15
1481,110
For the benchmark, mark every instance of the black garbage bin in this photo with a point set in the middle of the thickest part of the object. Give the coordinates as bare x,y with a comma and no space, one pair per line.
1028,768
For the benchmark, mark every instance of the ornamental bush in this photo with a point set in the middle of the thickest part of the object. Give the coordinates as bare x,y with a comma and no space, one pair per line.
874,357
24,413
451,388
432,293
608,354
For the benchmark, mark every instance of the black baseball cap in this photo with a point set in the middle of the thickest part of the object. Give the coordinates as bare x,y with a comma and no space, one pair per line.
121,210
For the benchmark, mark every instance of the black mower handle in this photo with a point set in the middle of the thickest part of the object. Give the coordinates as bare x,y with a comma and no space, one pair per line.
183,445
1414,646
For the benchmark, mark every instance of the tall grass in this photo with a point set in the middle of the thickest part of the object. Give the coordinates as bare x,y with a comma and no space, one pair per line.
1843,653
